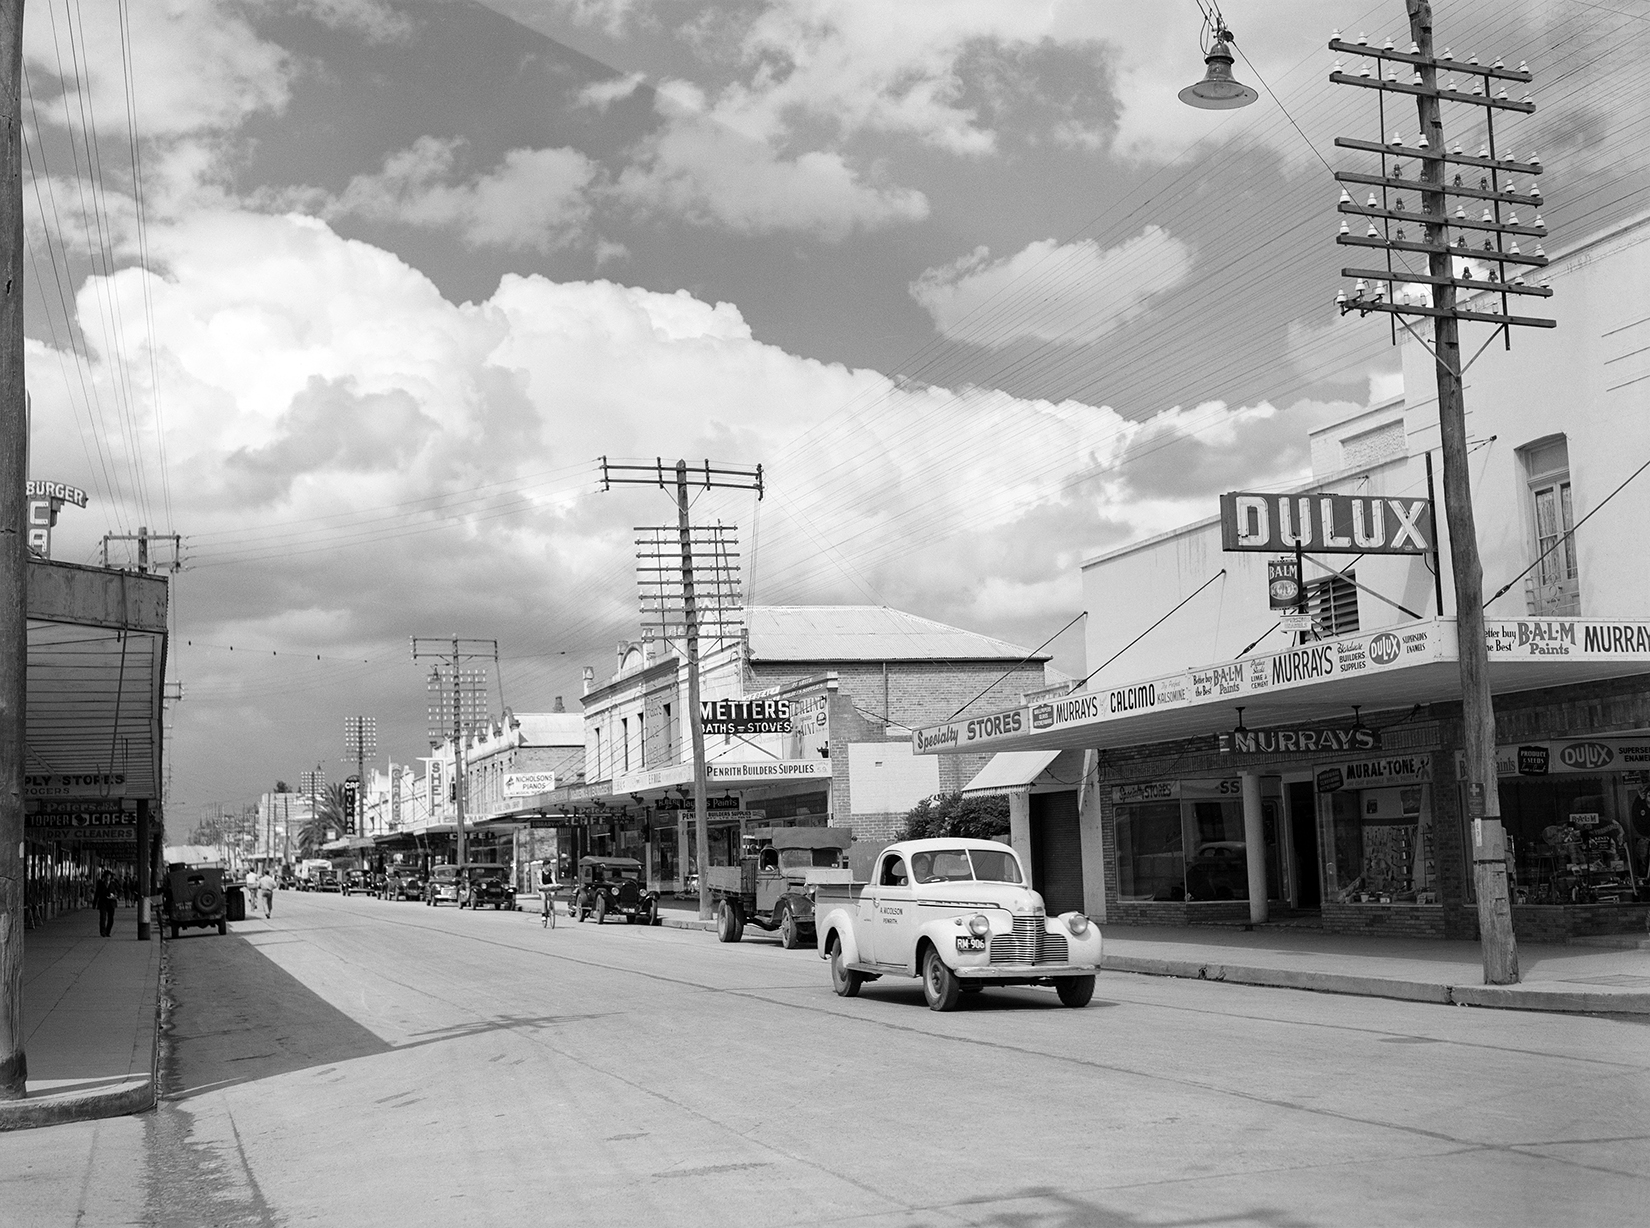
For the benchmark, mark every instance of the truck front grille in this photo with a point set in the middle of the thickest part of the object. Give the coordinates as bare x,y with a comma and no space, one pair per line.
1030,943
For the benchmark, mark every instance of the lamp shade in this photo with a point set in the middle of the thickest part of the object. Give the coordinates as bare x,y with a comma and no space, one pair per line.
1218,91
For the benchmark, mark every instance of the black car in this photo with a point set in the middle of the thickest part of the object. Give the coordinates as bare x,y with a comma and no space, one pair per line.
609,885
194,896
481,885
351,881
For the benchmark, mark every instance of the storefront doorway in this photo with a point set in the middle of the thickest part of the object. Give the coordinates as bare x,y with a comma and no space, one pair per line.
1057,851
1303,834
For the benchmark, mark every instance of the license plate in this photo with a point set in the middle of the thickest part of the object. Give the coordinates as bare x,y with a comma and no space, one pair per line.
968,942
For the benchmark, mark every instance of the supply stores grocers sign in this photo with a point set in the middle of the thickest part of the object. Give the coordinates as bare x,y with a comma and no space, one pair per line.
58,784
1293,667
1573,639
735,716
1326,524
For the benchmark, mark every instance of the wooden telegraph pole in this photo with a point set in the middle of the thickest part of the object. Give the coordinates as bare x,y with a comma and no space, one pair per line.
1475,182
14,643
706,477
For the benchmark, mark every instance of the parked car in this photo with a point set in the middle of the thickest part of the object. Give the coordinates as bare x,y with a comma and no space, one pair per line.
442,886
609,885
324,880
194,896
351,881
957,913
483,885
403,883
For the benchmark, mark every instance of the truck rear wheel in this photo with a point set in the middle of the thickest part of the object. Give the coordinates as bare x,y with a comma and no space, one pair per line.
939,984
730,925
844,980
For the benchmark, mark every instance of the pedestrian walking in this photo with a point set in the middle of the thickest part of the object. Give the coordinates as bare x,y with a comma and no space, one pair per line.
266,888
104,899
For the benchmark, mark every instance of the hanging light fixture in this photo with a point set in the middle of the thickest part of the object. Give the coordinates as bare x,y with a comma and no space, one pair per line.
1218,91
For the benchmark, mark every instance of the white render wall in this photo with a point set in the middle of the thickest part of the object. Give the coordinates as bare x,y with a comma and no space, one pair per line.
1588,379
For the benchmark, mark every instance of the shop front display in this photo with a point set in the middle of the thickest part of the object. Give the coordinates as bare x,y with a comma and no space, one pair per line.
1577,817
1378,828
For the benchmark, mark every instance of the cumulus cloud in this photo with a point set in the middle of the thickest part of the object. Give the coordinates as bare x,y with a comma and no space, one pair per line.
603,94
535,199
1048,291
711,175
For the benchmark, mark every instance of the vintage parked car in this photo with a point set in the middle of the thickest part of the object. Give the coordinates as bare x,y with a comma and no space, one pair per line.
403,883
483,885
442,886
351,881
609,885
194,896
325,880
957,913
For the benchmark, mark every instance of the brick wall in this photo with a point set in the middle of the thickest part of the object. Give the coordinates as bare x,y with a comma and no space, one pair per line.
1404,920
1154,912
1559,923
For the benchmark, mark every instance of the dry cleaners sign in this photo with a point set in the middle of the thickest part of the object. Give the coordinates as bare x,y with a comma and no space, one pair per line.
1326,524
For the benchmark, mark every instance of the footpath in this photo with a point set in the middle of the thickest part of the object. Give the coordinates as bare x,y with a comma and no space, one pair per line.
1580,978
90,1021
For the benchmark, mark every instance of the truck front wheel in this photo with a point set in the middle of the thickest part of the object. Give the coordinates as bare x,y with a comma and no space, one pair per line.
1075,990
939,984
790,933
845,981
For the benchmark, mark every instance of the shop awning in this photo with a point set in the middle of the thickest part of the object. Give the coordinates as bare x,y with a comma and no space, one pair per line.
1383,671
96,661
1009,771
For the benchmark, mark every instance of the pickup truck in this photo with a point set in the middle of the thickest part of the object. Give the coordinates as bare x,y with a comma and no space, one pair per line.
957,913
769,888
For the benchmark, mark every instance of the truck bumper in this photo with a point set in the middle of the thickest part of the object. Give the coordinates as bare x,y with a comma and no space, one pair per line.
1024,973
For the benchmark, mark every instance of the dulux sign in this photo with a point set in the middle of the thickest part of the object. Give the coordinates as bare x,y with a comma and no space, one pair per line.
1326,524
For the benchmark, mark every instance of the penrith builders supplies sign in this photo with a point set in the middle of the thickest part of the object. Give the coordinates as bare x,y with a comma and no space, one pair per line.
1326,524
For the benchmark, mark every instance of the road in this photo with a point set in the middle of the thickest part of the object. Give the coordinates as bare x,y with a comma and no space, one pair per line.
362,1062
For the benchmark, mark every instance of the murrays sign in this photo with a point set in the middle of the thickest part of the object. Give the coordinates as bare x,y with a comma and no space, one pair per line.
1309,740
1326,524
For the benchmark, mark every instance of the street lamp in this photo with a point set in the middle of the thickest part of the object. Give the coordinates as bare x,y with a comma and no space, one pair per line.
1218,91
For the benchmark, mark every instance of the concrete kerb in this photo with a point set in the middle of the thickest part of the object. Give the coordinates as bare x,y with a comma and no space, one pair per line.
130,1097
1499,997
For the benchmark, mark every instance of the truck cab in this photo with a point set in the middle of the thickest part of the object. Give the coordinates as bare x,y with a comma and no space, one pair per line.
961,915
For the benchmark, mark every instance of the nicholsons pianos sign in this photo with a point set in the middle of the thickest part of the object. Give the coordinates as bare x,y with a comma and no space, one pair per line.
1326,524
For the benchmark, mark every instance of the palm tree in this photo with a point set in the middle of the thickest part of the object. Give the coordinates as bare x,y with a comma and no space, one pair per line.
329,820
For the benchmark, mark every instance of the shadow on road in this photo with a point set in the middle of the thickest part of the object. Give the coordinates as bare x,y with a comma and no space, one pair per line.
1015,998
1054,1209
237,1016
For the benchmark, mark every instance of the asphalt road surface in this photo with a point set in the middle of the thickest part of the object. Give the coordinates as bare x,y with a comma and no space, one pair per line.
363,1062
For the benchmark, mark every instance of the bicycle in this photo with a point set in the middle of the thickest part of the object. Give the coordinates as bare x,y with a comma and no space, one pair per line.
547,903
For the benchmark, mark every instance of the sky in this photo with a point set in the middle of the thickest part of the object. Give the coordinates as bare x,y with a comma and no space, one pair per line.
352,295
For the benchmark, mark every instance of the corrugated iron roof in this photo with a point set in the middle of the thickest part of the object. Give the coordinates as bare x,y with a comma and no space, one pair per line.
868,633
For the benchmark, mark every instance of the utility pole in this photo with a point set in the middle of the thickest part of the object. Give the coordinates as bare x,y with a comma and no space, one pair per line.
454,716
707,478
1485,88
14,640
143,538
361,740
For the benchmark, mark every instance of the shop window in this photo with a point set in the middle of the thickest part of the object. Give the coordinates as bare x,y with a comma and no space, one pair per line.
1578,839
1333,604
1150,861
1554,586
1381,846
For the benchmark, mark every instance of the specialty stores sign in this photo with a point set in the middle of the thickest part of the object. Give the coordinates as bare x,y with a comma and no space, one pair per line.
1326,524
1374,653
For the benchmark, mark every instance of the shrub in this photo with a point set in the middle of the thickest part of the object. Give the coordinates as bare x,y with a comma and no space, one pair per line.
952,814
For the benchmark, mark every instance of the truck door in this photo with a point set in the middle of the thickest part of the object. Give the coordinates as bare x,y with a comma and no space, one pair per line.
885,909
769,885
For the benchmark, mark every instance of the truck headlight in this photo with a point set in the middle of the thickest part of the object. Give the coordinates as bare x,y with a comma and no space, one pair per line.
1078,923
979,926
